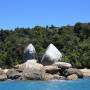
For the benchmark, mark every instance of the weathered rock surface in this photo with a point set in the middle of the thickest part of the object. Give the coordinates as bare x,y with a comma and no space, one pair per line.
62,64
48,76
31,71
3,76
5,70
72,77
13,74
57,77
28,65
51,55
33,74
51,69
71,71
29,53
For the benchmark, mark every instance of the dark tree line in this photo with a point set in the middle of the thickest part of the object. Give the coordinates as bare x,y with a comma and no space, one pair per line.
72,41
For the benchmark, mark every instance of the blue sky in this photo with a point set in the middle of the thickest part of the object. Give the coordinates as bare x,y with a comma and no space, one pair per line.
29,13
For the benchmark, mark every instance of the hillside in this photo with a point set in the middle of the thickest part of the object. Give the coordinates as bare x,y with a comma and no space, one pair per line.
72,41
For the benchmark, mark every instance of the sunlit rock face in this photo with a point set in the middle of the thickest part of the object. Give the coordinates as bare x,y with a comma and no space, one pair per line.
29,53
51,55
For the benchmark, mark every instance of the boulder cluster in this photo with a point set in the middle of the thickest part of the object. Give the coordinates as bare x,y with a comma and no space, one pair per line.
50,68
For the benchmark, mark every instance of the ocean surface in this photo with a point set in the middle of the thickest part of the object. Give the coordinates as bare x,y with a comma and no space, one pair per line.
83,84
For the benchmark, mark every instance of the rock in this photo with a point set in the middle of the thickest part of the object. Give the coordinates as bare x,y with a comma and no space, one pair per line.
51,55
32,61
28,65
31,71
29,53
53,77
62,64
13,74
3,76
5,70
33,74
51,69
57,77
48,76
72,77
71,71
86,72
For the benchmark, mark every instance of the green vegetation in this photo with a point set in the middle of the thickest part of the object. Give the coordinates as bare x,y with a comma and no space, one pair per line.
72,41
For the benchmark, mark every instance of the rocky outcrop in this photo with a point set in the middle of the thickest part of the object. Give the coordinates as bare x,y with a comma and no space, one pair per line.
71,71
30,53
50,68
72,77
3,76
31,71
51,55
62,65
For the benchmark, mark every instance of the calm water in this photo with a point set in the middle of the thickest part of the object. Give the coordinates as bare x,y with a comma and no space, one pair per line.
46,85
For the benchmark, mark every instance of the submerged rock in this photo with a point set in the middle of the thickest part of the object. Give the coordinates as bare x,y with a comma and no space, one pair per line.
29,53
51,55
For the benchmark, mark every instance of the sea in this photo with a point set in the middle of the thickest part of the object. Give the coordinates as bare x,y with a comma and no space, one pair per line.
81,84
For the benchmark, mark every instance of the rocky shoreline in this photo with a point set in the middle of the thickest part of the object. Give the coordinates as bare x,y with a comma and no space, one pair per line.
36,71
50,68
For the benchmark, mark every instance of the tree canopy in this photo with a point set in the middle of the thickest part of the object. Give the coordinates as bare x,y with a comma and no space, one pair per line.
72,41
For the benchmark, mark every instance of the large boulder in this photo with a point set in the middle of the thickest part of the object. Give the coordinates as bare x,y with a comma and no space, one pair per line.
51,69
62,64
28,65
3,76
51,55
71,71
72,77
33,74
29,53
31,71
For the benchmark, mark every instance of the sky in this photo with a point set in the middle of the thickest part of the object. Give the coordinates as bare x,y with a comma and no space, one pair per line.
30,13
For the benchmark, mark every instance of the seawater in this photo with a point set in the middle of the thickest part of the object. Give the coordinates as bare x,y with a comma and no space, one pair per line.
82,84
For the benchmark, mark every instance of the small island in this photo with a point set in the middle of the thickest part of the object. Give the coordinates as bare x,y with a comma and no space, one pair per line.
50,68
57,53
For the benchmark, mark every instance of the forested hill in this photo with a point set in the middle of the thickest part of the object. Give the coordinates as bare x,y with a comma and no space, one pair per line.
72,41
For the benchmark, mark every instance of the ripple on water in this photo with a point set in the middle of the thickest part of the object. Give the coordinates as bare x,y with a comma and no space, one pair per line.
83,84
